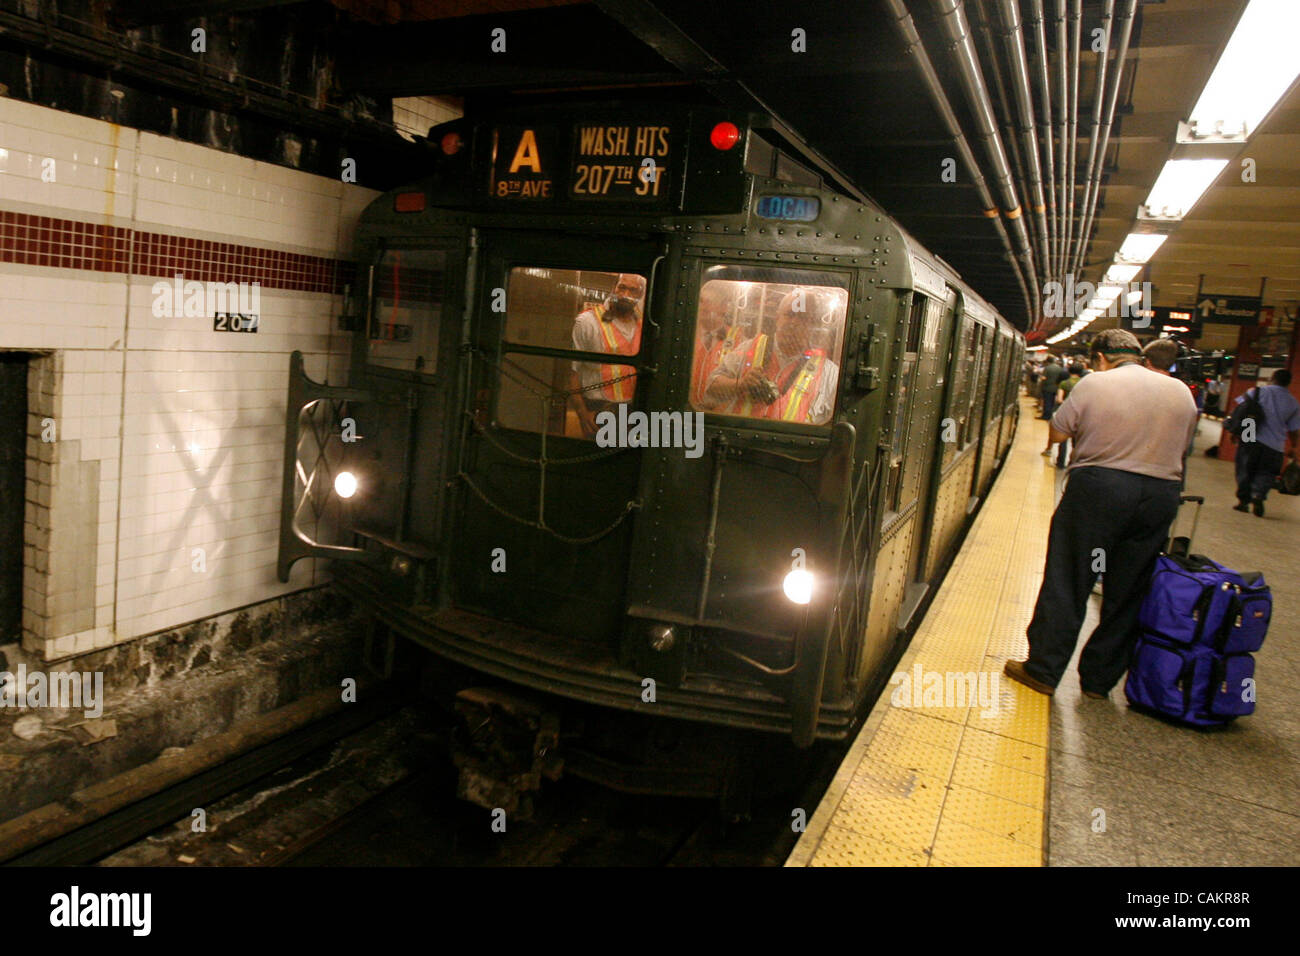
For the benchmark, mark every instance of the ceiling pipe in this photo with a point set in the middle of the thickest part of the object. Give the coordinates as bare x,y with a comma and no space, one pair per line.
1103,60
1124,29
1045,126
916,49
1076,26
1062,139
1013,42
1019,170
952,19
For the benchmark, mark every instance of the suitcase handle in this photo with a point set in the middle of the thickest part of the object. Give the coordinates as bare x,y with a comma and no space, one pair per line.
1181,545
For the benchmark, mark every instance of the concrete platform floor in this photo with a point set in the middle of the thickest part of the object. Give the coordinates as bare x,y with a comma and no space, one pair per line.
1129,790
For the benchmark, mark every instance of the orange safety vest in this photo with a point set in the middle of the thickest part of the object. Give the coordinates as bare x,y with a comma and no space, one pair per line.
620,391
706,362
794,404
755,357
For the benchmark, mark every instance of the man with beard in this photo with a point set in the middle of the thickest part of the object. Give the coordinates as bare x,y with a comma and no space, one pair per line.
614,327
793,379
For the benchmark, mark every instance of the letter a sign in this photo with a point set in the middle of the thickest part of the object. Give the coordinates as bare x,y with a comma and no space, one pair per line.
526,154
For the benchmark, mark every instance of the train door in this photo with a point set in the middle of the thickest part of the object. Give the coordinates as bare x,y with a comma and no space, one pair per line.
926,397
548,466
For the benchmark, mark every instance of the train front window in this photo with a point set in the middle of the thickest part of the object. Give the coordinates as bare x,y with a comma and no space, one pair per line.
768,349
575,310
407,309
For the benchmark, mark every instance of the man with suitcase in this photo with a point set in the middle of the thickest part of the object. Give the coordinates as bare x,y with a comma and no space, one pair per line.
1130,427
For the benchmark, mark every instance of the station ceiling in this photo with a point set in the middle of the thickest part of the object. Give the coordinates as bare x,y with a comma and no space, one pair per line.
854,93
856,96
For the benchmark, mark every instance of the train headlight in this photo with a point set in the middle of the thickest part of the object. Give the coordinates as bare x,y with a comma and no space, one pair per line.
798,586
662,638
345,484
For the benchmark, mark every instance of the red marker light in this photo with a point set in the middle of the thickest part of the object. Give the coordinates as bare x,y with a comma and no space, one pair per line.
724,136
451,143
409,202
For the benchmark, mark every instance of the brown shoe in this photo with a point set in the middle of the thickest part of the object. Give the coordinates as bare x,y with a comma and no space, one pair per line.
1016,671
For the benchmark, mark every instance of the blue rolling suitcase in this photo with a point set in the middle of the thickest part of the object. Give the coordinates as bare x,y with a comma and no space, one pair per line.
1200,623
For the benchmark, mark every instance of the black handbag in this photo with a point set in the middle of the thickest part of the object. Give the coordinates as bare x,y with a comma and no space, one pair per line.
1288,483
1248,409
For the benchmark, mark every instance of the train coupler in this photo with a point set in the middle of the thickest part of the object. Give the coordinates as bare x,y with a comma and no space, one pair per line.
504,745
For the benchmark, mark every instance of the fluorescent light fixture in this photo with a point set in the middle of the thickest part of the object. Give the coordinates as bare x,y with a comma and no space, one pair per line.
1257,67
1180,184
1120,272
1139,247
1133,297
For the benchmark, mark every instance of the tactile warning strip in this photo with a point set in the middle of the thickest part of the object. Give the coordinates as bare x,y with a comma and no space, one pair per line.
950,768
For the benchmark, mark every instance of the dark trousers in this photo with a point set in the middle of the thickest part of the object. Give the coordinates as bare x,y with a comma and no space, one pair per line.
1257,467
1049,404
1127,516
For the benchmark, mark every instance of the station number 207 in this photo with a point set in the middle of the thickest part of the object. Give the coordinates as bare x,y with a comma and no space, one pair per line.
596,180
234,322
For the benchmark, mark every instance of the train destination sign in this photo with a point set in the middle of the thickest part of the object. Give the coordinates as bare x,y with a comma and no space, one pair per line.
628,162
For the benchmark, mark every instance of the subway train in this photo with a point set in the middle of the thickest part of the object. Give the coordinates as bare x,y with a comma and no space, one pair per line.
656,431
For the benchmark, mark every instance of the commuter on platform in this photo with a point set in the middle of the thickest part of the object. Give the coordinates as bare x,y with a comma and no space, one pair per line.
1077,372
1159,356
1130,428
1260,460
1048,384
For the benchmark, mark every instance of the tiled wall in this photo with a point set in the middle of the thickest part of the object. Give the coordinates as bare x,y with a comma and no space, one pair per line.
158,499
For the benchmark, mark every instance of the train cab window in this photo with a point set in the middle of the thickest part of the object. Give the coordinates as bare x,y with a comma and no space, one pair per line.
768,349
574,310
406,309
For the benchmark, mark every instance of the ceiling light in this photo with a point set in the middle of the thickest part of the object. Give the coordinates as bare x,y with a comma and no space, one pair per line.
1140,247
1120,272
1180,184
1257,67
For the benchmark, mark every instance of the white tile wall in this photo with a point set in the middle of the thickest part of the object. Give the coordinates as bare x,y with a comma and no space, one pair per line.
187,424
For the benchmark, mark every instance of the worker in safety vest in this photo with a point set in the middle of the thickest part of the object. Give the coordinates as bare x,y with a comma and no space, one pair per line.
614,327
715,335
791,378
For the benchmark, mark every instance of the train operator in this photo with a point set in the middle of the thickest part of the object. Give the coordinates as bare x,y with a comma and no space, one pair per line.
614,327
792,380
1130,427
714,337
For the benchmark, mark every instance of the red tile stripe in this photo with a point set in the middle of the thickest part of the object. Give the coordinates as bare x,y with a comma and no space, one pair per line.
69,244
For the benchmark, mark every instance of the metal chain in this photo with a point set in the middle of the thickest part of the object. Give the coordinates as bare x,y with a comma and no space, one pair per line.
576,459
541,526
547,395
550,393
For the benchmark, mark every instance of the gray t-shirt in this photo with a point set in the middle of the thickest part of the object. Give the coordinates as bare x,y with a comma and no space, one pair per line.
1131,419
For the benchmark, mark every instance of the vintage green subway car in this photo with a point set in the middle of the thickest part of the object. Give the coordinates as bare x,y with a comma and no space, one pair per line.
677,264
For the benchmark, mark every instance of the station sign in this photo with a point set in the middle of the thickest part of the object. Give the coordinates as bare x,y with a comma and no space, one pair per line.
1227,309
1179,322
626,163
